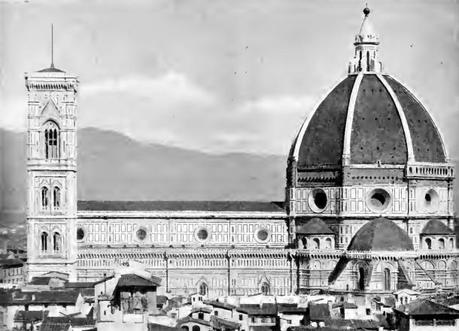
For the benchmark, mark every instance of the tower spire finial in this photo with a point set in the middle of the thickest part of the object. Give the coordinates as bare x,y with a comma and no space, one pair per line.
366,10
52,45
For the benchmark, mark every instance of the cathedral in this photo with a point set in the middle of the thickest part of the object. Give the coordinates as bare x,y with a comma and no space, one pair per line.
368,202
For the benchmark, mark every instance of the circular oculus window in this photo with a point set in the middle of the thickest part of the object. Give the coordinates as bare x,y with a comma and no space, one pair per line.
80,234
379,199
431,199
318,200
141,234
262,235
202,234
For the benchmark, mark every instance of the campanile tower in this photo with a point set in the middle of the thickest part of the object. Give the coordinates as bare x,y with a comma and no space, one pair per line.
51,171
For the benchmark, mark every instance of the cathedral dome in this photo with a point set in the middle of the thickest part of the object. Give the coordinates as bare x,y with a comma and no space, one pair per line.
368,118
381,234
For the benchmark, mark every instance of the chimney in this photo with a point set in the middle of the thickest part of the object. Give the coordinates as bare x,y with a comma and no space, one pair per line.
5,246
330,306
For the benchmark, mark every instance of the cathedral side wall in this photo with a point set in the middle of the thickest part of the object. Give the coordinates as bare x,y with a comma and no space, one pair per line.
224,271
231,255
165,231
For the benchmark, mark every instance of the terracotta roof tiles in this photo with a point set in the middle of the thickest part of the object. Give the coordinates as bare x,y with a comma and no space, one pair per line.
215,206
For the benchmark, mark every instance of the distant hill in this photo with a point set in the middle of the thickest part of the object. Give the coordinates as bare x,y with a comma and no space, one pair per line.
112,166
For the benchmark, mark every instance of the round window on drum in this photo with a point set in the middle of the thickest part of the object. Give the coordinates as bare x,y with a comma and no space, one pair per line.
141,234
379,199
262,235
202,234
431,200
80,234
318,200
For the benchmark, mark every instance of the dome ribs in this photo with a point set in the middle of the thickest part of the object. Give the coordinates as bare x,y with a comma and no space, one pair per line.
377,133
427,142
368,120
322,142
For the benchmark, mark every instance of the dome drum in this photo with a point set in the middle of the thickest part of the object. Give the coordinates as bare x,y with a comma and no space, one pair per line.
354,175
311,178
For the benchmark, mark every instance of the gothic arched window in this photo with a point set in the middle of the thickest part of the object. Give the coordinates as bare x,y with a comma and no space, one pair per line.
361,280
51,140
328,243
44,241
196,328
368,61
441,243
44,197
56,242
265,288
203,289
386,279
315,243
56,197
428,242
305,243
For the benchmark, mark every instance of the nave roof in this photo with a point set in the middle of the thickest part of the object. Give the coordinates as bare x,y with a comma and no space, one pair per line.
214,206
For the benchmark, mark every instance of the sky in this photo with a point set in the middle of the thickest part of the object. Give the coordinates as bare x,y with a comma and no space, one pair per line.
223,76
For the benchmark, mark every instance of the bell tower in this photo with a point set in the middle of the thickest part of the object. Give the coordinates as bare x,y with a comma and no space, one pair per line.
51,171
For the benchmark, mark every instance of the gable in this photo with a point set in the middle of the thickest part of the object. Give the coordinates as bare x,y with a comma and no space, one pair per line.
50,110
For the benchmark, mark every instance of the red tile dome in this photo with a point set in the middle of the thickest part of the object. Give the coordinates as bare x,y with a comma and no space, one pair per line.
368,118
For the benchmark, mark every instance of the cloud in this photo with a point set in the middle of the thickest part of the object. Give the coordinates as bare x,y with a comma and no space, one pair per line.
175,110
171,86
13,113
265,125
279,104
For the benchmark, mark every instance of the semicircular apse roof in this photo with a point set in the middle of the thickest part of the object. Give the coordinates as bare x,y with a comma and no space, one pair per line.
381,234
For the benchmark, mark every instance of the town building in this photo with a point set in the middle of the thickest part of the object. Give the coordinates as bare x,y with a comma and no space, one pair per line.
52,303
29,320
68,323
426,315
368,206
11,272
125,300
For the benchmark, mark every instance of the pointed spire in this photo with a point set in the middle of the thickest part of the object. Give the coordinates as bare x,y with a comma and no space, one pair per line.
51,67
366,48
52,46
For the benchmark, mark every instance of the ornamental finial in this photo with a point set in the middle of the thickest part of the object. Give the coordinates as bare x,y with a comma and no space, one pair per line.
366,10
